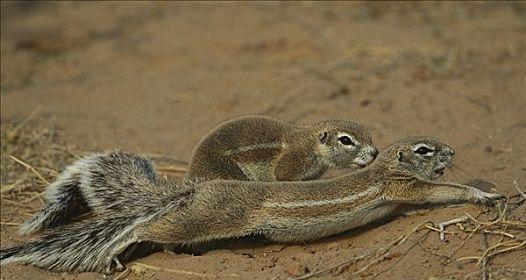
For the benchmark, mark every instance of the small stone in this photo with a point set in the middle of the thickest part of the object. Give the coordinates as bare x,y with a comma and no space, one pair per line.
137,269
297,270
365,102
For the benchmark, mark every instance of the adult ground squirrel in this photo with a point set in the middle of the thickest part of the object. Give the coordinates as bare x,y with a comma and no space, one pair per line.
260,148
255,148
145,209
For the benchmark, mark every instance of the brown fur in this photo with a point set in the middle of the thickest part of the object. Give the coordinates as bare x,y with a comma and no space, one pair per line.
259,148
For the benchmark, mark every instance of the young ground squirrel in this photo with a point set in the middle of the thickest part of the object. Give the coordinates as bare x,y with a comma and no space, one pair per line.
145,209
259,148
254,148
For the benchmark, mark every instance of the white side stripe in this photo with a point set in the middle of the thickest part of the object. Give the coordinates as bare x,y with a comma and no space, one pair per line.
308,203
254,147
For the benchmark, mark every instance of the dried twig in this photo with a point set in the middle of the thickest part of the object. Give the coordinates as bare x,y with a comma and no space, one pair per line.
9,223
464,242
430,251
31,168
518,189
185,272
35,196
417,243
384,251
399,241
442,225
485,260
10,187
345,263
512,248
514,245
494,250
122,274
494,232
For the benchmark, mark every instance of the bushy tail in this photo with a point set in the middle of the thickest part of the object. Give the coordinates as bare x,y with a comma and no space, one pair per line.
123,192
5,254
93,244
96,182
85,246
67,204
90,245
64,198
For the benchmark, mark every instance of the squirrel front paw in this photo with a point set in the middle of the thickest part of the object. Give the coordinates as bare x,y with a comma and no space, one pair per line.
485,197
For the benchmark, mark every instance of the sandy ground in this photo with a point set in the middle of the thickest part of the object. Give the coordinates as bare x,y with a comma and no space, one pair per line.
153,78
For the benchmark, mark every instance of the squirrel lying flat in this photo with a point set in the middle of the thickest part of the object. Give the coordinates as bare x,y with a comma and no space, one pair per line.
146,209
255,148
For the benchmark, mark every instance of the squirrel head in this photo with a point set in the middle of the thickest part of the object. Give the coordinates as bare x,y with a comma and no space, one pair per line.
344,144
420,157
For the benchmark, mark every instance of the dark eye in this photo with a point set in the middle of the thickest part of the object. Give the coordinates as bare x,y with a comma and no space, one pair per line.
345,140
423,150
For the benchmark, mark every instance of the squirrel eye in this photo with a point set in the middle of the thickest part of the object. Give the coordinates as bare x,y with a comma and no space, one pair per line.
423,150
345,140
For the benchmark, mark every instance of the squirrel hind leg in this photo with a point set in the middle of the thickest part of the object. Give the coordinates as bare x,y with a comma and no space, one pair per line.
65,201
110,269
118,265
113,258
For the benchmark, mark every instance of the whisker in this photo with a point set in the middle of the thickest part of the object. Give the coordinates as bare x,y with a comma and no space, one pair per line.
460,162
454,173
463,170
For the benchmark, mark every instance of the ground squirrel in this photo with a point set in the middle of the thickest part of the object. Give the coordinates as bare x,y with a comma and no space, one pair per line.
146,209
260,148
255,148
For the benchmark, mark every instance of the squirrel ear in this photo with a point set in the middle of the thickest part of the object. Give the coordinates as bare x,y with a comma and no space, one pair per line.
324,137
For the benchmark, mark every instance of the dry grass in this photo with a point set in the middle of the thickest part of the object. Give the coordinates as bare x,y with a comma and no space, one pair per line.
32,156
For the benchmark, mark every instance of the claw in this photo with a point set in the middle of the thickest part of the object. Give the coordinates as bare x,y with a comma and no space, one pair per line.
118,265
494,197
107,274
486,198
